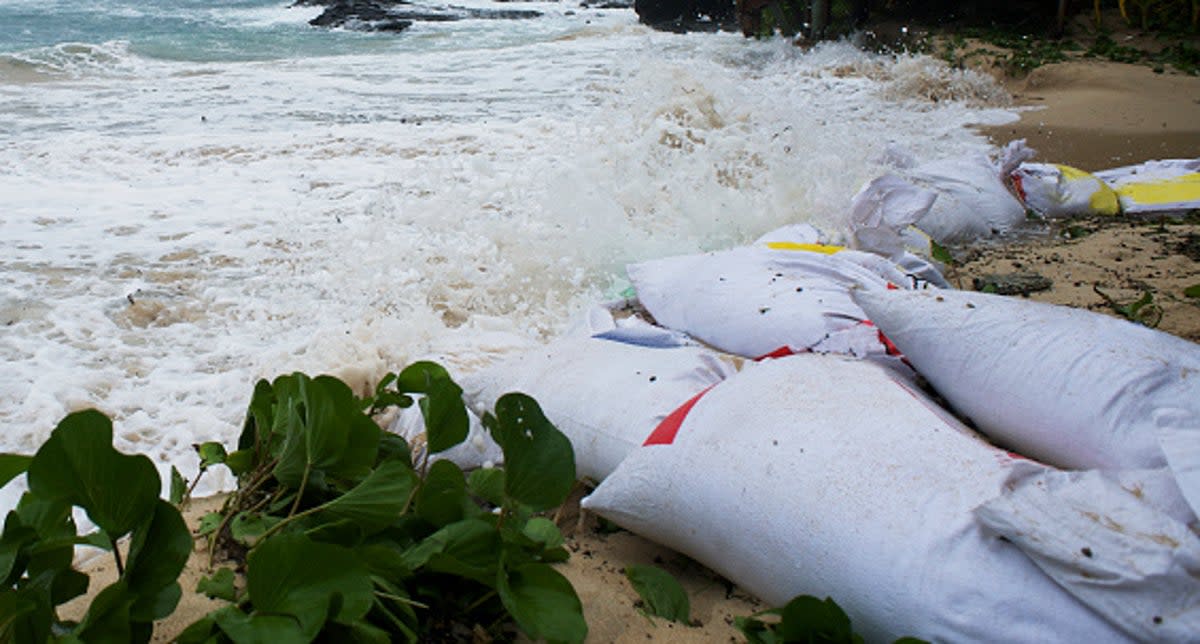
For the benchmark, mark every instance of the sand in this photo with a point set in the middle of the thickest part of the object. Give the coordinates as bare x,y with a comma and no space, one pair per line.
1092,115
1095,114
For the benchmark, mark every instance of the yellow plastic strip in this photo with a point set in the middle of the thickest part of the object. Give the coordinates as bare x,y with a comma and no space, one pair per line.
812,248
1175,190
1104,200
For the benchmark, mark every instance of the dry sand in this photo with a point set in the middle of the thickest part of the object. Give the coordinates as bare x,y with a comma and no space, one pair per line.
1096,115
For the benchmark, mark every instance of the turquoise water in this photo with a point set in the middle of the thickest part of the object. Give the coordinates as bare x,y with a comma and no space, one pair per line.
179,30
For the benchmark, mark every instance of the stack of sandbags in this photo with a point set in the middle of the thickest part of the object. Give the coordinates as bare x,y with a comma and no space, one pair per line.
1054,190
824,475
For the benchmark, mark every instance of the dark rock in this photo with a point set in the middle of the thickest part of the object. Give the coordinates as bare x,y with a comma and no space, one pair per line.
1012,283
607,4
398,15
686,15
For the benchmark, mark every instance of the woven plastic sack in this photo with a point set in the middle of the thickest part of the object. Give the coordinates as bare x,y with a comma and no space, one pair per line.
1067,386
1169,184
1058,191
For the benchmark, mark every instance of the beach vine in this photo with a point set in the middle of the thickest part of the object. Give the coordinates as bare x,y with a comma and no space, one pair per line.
334,531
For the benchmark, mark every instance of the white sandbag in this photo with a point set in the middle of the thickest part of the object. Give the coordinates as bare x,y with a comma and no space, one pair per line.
972,200
755,300
823,475
1070,387
605,396
1106,546
478,450
1169,184
882,210
895,264
1056,191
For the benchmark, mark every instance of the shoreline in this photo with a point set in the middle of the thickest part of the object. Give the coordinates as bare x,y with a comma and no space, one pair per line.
1096,115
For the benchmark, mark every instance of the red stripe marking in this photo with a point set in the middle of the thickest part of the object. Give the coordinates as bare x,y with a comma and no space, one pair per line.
781,352
665,433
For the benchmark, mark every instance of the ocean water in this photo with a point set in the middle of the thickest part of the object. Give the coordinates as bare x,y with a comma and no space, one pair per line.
195,194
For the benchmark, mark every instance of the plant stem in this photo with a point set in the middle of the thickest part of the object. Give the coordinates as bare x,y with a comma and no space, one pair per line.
292,517
402,600
479,602
117,556
300,492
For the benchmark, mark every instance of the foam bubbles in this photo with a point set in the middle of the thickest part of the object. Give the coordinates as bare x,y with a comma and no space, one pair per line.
172,234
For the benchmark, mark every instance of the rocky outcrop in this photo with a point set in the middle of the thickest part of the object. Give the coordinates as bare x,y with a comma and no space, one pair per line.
686,15
398,15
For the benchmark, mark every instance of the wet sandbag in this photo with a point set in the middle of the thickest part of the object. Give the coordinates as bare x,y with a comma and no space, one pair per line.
606,396
1096,535
1167,184
476,451
1069,387
755,300
1056,191
973,200
824,475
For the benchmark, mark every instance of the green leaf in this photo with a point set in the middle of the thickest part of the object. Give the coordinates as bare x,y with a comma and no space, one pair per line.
539,463
23,618
940,253
289,574
107,619
258,628
211,453
157,553
199,632
487,484
542,602
209,523
28,612
469,548
1192,291
446,422
178,487
324,430
247,527
543,531
260,416
660,592
809,619
393,447
378,500
240,462
219,585
67,585
12,466
443,495
78,465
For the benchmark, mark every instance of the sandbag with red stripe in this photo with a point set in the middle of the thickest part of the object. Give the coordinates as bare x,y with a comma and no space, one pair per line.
823,475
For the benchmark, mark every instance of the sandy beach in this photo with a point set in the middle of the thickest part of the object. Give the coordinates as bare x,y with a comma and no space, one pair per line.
1090,114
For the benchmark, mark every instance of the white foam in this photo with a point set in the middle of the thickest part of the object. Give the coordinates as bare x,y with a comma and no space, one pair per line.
170,237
